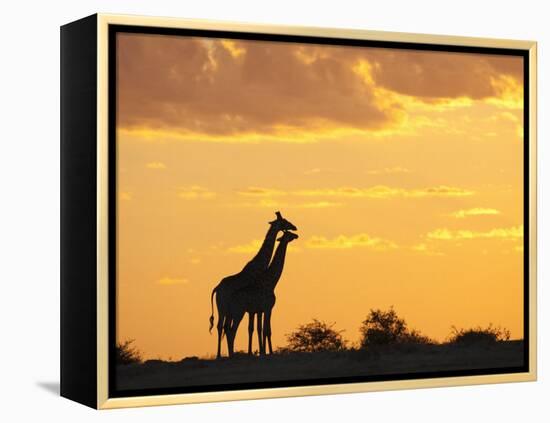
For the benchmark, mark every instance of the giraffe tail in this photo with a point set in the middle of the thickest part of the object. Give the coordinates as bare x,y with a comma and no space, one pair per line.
212,310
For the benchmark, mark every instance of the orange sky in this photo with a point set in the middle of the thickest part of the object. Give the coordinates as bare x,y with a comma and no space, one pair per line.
401,169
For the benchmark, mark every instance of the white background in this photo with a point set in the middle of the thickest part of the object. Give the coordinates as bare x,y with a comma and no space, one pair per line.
29,236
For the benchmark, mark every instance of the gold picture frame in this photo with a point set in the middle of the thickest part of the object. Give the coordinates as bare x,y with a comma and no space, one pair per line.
85,305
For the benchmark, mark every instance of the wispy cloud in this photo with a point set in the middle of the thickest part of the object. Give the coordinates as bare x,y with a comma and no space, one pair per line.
253,246
383,191
388,170
505,116
125,196
350,241
155,165
250,247
512,233
317,205
261,192
233,48
261,203
425,249
196,192
313,171
318,170
377,191
476,211
172,281
272,203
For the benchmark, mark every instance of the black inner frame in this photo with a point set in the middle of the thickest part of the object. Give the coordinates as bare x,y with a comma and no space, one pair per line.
112,213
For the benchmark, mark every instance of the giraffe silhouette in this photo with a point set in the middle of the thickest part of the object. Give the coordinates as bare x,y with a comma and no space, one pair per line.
247,276
258,300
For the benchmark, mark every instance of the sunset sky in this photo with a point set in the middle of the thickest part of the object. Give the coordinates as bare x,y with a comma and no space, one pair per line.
401,169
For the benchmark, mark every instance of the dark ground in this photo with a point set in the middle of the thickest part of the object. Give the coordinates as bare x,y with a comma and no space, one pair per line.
297,366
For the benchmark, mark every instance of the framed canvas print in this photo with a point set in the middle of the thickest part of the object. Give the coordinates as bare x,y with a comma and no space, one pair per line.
257,211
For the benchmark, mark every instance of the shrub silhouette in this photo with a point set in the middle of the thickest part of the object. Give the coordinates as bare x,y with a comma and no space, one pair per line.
126,353
415,337
478,335
387,328
314,337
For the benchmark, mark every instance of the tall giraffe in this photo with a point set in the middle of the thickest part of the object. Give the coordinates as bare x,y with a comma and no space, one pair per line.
258,300
247,276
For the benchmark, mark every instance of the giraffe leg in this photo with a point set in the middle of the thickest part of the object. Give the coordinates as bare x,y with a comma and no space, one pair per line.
227,330
264,335
260,334
220,332
234,325
250,331
267,330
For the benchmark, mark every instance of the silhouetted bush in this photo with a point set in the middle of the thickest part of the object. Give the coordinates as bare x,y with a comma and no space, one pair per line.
126,353
415,337
478,335
314,337
387,328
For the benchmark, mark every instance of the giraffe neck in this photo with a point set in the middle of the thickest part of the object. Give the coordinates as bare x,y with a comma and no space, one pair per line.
275,270
260,262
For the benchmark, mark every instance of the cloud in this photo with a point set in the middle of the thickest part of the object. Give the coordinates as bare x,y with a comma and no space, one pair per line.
388,170
476,211
250,247
317,205
377,191
233,48
314,171
260,192
155,165
253,247
196,192
382,191
201,87
172,281
276,204
437,75
353,241
512,233
320,242
125,196
425,249
212,89
268,203
507,116
510,93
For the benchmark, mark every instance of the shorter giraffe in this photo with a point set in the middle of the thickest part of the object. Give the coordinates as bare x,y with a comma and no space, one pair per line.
259,299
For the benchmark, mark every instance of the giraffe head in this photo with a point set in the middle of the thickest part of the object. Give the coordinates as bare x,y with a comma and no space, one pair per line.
282,224
287,237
